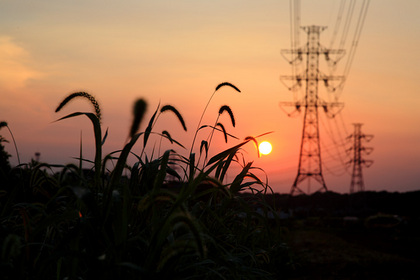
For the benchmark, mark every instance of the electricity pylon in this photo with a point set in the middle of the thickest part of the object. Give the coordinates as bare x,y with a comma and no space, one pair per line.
310,164
357,160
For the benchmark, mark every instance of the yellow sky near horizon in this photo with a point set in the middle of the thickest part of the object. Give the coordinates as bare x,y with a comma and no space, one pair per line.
176,52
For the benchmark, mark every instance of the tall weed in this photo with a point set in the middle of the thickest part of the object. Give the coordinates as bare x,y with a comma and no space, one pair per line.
163,218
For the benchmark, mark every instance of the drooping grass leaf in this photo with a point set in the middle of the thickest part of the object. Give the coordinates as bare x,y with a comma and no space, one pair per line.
98,142
176,249
169,137
175,220
187,221
119,167
227,109
175,111
173,173
226,165
161,174
218,129
220,156
227,84
107,158
236,184
263,134
255,142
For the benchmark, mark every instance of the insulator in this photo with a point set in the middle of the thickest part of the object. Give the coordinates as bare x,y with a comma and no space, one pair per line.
327,56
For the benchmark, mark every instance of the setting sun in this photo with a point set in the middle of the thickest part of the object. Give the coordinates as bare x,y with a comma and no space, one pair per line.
265,148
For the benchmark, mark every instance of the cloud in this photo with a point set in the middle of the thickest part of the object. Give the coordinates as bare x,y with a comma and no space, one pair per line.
15,69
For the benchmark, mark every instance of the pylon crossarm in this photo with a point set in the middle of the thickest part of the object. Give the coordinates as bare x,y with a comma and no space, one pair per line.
297,106
294,60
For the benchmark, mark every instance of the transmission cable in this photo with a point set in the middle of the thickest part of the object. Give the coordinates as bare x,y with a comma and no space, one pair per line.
355,42
337,22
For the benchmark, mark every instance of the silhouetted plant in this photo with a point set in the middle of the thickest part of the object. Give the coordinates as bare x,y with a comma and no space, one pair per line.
83,95
139,110
166,218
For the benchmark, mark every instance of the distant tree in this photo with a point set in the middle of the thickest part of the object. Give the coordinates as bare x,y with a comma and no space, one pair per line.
4,156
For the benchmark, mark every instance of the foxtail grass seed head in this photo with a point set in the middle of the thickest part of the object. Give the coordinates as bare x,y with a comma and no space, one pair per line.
227,84
92,100
176,112
204,145
168,136
139,110
223,130
227,109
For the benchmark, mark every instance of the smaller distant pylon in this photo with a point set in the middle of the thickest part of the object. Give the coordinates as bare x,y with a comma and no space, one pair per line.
357,183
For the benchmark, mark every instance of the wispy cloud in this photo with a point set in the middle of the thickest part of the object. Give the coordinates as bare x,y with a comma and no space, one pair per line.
15,69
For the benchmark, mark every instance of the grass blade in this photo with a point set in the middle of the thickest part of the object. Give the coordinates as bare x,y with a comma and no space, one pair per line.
104,138
119,167
98,142
236,184
160,177
168,136
149,128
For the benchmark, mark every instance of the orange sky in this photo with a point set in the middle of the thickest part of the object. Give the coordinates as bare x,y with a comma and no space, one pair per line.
176,52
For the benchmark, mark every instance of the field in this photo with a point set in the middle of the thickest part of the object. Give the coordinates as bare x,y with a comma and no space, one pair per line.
382,242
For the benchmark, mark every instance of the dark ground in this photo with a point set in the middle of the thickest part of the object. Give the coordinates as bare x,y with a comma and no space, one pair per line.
345,254
371,235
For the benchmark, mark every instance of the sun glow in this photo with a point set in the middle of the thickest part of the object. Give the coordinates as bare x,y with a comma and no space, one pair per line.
265,148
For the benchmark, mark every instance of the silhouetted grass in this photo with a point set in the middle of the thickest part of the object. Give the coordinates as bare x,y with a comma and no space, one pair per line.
163,217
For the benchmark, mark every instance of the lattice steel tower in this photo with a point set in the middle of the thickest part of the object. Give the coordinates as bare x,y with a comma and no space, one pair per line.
310,164
358,161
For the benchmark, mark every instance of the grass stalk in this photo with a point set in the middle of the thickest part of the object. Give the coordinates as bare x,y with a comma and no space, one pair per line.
205,109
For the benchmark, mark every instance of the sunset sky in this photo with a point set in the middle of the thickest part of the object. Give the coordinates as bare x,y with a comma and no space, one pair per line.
177,52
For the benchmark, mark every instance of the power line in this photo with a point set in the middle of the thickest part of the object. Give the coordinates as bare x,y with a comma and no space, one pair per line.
337,22
355,43
357,33
337,145
347,22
